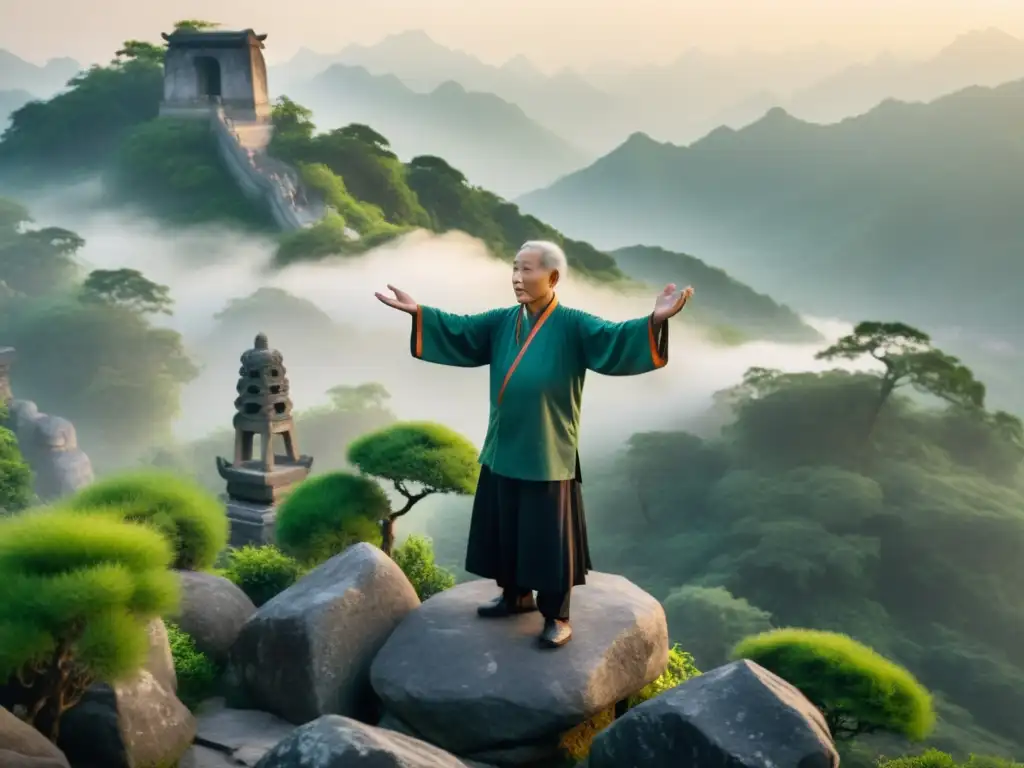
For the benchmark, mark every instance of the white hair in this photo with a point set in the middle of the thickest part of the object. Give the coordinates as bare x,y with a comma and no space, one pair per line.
552,257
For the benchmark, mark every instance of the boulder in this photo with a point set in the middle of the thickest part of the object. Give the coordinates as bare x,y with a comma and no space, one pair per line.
243,735
738,715
307,652
473,685
213,611
333,741
134,724
160,663
22,746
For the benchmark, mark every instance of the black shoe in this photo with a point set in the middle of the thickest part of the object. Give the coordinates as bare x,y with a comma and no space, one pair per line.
557,632
500,607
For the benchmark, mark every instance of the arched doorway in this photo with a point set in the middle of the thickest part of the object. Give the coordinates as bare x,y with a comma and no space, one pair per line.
208,75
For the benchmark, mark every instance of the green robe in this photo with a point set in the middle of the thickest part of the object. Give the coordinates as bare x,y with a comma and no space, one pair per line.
537,369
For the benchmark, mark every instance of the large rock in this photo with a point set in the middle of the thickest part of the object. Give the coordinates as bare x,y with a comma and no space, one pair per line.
471,685
160,662
738,715
243,735
22,746
213,611
135,724
333,741
307,652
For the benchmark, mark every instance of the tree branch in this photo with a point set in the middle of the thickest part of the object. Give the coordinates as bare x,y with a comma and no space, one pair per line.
411,499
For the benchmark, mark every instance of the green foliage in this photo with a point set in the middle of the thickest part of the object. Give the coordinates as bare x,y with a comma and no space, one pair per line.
710,620
172,168
82,127
416,559
859,691
191,519
76,592
933,758
106,368
681,667
427,454
327,513
126,288
908,358
262,572
197,674
35,262
15,475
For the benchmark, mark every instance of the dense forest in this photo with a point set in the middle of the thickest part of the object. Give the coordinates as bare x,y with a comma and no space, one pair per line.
839,501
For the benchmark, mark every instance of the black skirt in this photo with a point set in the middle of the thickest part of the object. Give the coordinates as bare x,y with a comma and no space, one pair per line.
529,534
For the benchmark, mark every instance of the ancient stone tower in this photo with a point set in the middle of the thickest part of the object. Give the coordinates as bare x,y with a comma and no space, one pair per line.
210,68
263,409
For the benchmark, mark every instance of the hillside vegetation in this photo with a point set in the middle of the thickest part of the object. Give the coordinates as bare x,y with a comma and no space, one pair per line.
170,169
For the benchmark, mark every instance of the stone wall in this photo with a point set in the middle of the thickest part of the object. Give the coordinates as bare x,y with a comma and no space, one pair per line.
261,177
48,443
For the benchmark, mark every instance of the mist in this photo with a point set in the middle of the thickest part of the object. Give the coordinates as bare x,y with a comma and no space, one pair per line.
207,267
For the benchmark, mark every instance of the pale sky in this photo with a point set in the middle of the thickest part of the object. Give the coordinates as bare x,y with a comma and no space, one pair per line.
552,33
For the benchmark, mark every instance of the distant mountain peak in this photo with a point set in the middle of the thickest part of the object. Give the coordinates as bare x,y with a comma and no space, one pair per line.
982,43
521,66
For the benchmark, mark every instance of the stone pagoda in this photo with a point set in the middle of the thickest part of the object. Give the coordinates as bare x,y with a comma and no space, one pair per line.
256,485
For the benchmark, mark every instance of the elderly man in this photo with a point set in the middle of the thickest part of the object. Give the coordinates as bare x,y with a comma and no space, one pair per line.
528,530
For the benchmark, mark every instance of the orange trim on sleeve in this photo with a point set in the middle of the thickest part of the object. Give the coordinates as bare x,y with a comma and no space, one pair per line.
419,331
526,345
659,361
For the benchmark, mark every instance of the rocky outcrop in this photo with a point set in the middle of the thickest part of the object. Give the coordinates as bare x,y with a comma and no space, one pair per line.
213,612
333,741
133,724
22,746
484,690
129,725
738,715
50,446
307,652
48,443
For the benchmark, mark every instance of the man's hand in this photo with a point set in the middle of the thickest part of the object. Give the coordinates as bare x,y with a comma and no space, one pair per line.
670,301
402,300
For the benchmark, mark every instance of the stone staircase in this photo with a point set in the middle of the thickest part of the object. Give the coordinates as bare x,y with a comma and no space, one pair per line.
242,145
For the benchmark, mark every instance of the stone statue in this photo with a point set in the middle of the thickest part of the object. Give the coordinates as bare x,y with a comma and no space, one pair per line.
263,408
528,530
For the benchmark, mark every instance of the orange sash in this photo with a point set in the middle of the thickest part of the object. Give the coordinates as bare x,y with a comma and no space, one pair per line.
526,345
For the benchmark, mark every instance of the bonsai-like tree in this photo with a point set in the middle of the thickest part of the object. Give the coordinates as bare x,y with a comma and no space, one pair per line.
323,515
191,518
15,476
420,459
857,690
77,590
908,358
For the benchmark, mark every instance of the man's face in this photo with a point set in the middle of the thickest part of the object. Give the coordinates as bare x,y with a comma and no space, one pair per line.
530,279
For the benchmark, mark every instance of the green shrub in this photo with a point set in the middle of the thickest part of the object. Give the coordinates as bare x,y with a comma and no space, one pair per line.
327,513
197,674
933,758
190,517
262,572
680,669
858,690
575,744
77,590
416,559
15,476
